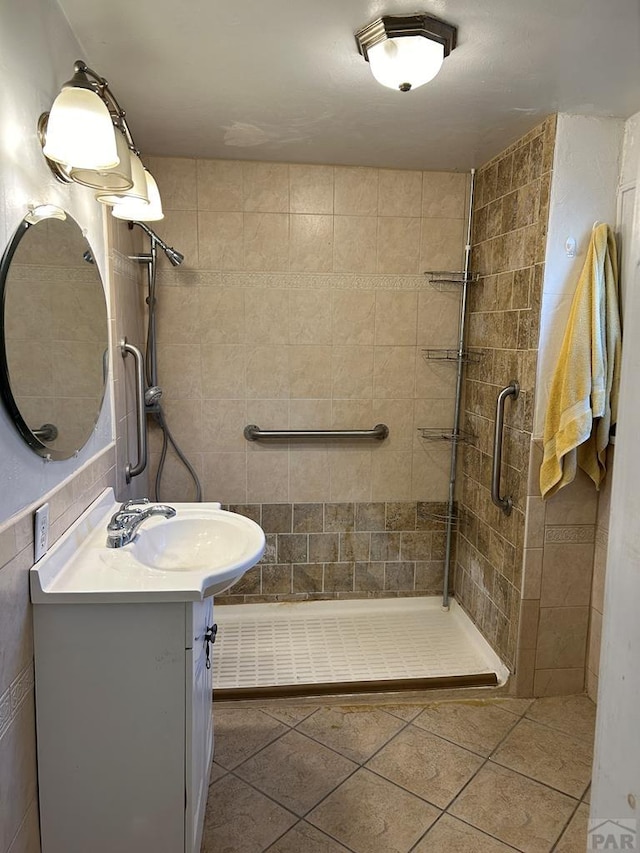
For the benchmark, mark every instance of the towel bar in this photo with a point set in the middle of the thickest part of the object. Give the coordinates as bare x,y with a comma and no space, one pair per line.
254,433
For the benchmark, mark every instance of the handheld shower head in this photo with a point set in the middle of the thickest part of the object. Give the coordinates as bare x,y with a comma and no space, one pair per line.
152,395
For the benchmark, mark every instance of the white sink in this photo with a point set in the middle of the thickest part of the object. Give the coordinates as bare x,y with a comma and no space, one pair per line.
201,551
197,539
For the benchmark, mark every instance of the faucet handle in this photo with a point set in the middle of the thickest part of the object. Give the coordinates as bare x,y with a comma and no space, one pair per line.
121,518
135,505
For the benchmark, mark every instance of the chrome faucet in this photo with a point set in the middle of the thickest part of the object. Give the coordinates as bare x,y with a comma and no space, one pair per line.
124,524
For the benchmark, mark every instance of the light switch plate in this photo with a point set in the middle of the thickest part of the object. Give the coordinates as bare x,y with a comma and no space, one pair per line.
41,531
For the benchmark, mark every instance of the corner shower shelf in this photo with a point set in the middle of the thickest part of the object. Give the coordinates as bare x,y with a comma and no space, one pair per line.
468,356
443,518
446,434
446,279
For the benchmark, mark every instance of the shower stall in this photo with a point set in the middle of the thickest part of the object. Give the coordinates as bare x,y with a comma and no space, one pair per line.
391,562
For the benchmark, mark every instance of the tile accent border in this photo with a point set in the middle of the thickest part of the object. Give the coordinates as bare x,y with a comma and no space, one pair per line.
290,281
574,533
13,697
344,550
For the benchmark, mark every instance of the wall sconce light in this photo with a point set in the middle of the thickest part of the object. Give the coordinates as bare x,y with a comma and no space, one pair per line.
406,51
86,139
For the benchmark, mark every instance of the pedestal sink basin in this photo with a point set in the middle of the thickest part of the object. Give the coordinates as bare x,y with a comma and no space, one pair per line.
197,539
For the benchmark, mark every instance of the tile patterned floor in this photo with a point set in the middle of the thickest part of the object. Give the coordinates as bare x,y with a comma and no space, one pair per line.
454,776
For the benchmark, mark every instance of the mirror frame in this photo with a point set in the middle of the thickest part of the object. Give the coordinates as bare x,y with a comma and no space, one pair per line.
6,393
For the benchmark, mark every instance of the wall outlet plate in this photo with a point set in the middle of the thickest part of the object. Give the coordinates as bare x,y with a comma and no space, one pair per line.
41,531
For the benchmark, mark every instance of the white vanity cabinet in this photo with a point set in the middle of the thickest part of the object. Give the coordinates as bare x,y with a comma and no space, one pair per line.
124,725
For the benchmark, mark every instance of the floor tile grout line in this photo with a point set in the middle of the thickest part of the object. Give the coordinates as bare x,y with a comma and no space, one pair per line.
566,826
560,731
518,717
455,743
492,757
479,770
321,831
477,828
260,749
359,766
362,764
533,779
291,725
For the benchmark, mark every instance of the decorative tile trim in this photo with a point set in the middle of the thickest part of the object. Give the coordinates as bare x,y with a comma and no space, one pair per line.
123,266
290,281
573,534
602,537
13,697
48,275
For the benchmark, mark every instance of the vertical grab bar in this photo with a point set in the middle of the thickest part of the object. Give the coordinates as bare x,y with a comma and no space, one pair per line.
130,470
505,503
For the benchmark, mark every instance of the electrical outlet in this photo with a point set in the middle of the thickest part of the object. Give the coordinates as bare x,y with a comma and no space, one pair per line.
41,531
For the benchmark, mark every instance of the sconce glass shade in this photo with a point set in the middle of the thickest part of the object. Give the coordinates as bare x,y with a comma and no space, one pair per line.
137,191
80,131
117,178
135,210
405,63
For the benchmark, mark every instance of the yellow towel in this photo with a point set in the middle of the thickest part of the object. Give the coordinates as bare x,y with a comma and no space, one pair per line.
583,399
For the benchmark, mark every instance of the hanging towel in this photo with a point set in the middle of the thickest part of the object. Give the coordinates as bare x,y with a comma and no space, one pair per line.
583,399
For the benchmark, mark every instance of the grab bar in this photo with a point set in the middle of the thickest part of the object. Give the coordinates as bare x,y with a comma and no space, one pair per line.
505,503
254,433
130,470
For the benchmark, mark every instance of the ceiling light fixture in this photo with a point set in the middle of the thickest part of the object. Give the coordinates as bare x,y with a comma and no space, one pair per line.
86,139
406,51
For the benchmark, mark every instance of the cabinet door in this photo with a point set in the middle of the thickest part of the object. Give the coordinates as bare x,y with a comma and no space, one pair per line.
199,734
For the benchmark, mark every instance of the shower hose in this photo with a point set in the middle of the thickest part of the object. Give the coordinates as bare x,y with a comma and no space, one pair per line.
167,438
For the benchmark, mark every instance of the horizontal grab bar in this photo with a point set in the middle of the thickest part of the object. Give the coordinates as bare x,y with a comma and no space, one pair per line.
254,433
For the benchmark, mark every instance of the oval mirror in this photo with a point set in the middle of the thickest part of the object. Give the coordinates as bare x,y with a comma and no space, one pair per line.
53,334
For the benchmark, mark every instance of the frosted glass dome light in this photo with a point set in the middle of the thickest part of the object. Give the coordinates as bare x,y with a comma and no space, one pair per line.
405,63
406,51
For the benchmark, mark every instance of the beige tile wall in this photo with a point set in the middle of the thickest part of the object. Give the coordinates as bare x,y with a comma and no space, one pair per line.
509,235
555,611
300,304
18,782
18,779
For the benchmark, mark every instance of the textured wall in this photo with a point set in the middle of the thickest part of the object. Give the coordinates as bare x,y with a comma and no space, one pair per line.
300,304
344,550
509,238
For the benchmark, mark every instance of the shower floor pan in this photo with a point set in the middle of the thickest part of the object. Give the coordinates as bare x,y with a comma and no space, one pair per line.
331,647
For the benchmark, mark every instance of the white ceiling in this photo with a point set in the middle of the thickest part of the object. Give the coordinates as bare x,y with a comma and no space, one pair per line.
283,80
